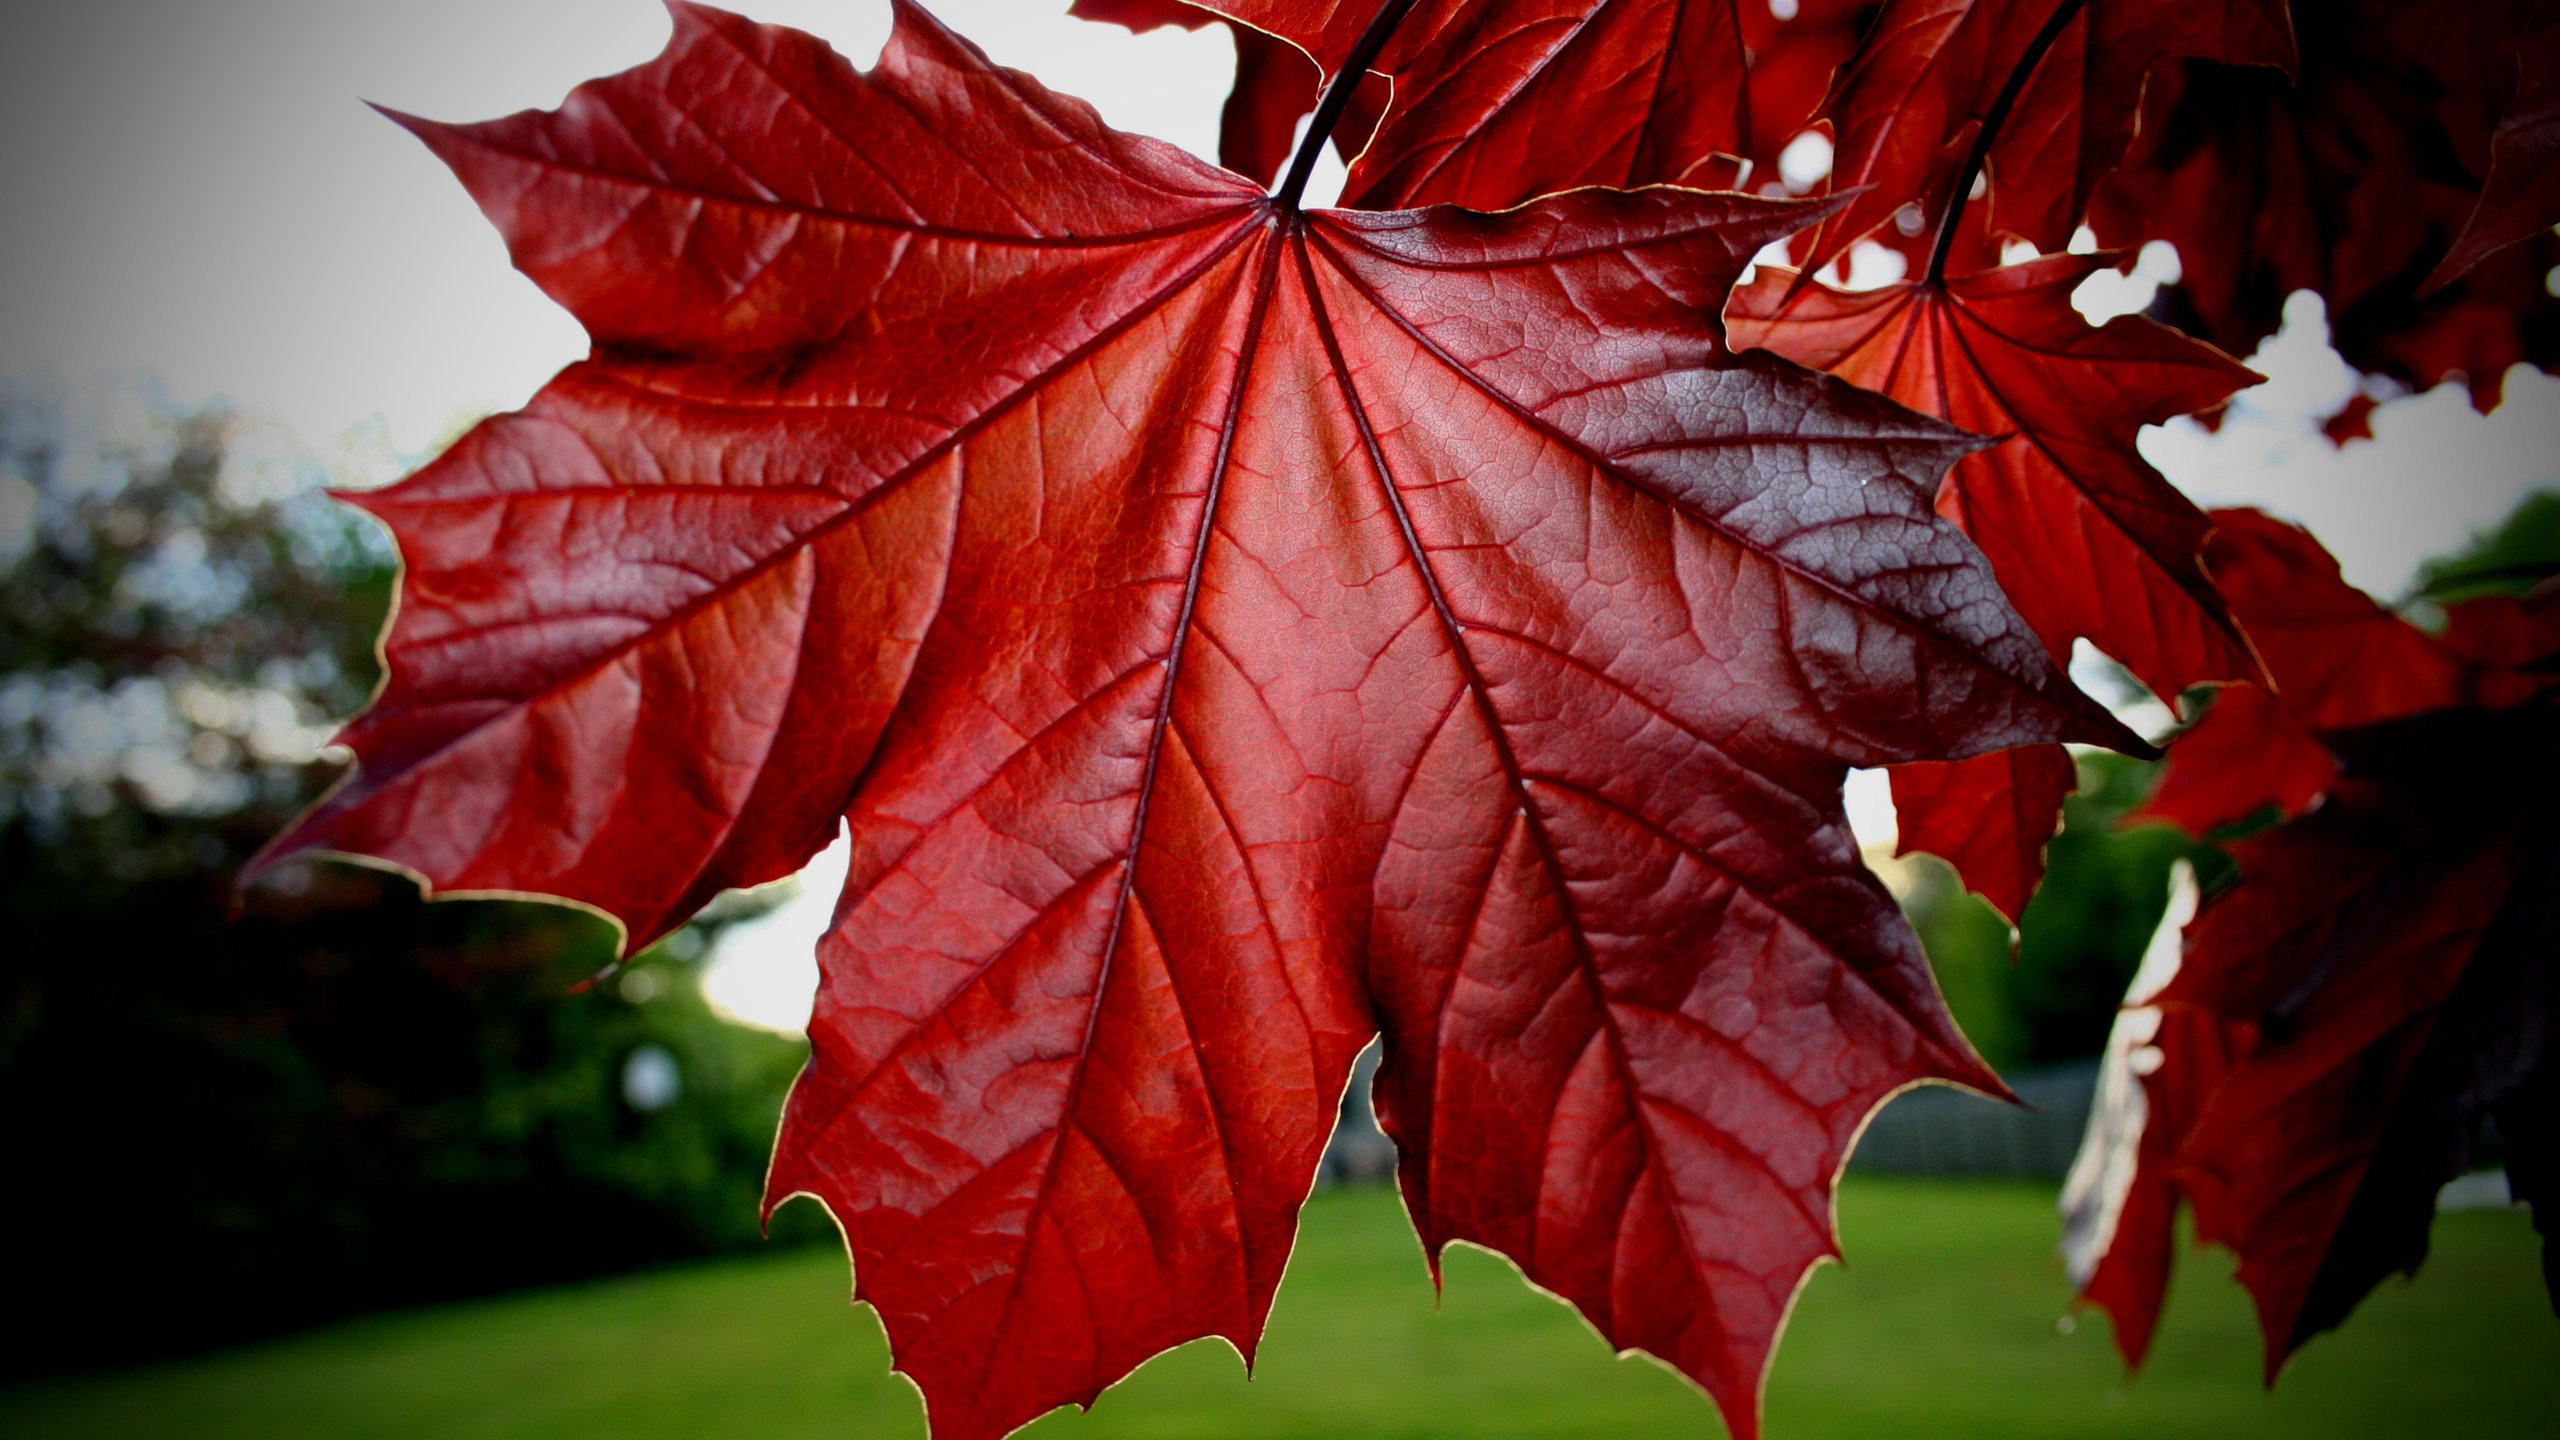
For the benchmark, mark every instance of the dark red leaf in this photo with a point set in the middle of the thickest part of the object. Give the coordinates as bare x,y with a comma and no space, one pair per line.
2133,1232
2380,979
2246,754
1907,108
1792,64
2353,183
2087,538
2507,647
1495,104
2353,422
2501,314
1227,633
2521,198
2379,983
1989,817
2338,661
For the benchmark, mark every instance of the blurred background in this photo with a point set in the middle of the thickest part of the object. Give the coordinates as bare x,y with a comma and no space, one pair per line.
225,286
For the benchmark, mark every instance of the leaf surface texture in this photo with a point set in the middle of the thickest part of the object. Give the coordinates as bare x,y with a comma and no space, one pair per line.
1228,634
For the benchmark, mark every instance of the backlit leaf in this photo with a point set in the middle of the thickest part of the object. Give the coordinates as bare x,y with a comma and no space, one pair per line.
1227,633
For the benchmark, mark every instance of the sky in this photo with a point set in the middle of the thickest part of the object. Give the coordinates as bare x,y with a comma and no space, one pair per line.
196,190
193,194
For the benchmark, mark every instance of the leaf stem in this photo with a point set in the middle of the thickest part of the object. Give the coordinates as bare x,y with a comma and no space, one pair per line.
1992,120
1336,96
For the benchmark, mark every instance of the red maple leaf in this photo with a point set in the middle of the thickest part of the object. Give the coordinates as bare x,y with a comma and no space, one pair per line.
2119,1203
1648,91
2378,983
2048,91
1228,632
2338,661
1989,817
2521,197
2087,538
2380,978
2506,645
2354,183
2245,756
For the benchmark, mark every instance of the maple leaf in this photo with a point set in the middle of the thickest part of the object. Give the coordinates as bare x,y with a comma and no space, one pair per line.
2119,1206
2507,646
2246,755
1651,91
2378,983
2521,197
2319,1061
2046,93
1226,632
2087,538
1988,817
2355,183
2338,660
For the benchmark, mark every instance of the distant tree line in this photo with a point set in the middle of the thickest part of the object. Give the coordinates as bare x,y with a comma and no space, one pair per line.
340,1098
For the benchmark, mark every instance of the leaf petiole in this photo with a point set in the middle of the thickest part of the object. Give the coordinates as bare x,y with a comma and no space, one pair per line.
1337,94
1989,131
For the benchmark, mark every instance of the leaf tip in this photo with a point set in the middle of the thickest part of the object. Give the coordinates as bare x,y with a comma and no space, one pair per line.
417,125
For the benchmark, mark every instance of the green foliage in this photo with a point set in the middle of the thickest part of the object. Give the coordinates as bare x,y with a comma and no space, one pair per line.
343,1097
2510,558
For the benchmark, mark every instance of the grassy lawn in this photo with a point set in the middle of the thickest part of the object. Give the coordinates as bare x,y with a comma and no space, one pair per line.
1945,1325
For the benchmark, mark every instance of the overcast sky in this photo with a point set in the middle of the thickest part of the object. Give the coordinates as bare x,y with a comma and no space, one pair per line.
195,189
192,191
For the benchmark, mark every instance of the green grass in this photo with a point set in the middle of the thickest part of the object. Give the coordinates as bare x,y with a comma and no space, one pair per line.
1944,1325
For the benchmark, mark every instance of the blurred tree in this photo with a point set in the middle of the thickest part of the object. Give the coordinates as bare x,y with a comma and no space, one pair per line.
2510,558
344,1097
